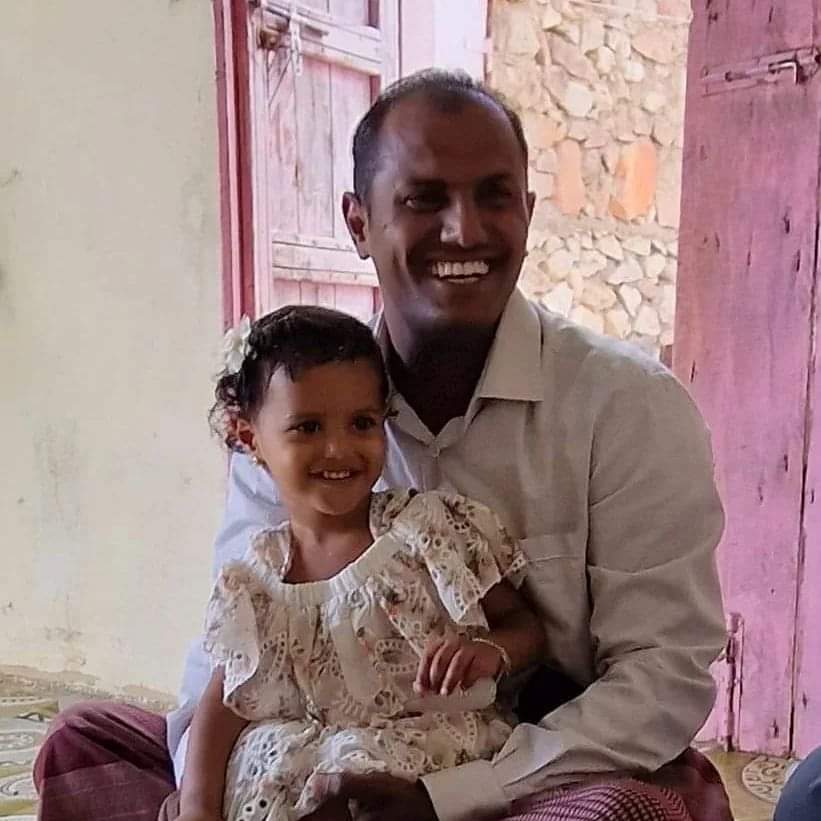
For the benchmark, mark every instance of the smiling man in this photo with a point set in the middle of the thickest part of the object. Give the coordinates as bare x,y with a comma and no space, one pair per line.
591,453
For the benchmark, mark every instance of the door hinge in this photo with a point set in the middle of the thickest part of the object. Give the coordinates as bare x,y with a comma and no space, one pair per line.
730,682
797,67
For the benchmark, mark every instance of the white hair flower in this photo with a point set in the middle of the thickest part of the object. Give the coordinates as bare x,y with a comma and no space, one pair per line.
235,345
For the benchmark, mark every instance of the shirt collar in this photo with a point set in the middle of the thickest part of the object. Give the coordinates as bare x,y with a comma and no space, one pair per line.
514,364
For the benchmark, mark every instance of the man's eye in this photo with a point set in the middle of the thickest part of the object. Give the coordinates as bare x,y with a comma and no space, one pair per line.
424,201
363,423
497,194
306,427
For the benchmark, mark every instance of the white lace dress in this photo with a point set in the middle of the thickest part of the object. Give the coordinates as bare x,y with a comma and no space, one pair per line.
324,670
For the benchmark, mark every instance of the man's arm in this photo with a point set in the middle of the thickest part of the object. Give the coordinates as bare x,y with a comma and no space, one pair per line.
657,623
251,504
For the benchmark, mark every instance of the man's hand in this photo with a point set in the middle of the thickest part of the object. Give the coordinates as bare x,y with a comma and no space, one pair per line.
452,661
380,797
334,809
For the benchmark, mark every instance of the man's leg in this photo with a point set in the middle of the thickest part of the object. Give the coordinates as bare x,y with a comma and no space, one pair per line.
693,777
687,789
625,800
101,761
690,783
801,797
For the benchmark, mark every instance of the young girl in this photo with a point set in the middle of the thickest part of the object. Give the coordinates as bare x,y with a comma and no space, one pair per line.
366,633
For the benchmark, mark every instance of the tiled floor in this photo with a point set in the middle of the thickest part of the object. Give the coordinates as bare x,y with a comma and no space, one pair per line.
753,782
24,716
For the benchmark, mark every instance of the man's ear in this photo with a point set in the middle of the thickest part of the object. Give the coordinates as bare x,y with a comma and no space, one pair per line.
356,218
531,205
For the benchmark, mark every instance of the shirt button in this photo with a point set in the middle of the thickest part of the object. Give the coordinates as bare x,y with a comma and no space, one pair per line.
436,450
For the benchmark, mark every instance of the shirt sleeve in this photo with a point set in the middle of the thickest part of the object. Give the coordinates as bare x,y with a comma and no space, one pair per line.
251,504
656,622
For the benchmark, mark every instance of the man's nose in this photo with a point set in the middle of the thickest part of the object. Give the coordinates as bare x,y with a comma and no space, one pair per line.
462,224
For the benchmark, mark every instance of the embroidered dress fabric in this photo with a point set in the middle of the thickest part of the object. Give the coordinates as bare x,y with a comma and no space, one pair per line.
324,670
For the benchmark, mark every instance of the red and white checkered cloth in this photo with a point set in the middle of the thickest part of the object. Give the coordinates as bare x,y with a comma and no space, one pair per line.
626,800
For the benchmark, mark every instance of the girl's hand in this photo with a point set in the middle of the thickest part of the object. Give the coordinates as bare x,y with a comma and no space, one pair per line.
452,661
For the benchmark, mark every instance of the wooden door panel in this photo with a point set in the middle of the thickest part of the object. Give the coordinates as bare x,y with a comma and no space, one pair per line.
281,127
356,300
352,12
738,30
351,95
743,337
287,292
314,151
322,70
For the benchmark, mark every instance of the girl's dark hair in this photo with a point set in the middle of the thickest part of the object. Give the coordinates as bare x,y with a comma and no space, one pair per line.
296,337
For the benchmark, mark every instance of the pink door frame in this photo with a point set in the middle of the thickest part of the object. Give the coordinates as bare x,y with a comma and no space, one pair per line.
235,165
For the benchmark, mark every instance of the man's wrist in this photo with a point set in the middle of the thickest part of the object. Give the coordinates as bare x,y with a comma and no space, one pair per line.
465,793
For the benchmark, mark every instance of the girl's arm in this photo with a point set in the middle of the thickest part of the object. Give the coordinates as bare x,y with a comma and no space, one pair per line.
214,731
514,629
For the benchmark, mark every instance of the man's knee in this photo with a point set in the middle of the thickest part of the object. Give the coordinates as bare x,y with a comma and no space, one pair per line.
620,800
637,800
801,797
68,739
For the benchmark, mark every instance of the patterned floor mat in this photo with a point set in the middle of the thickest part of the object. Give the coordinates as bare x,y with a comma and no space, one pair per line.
23,723
754,782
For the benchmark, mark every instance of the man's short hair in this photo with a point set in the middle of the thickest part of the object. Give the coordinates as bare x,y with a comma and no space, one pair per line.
447,90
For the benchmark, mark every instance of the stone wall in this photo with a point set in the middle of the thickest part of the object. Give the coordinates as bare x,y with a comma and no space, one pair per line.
600,88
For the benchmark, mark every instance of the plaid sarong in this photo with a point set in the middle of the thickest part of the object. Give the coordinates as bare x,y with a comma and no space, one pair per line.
105,761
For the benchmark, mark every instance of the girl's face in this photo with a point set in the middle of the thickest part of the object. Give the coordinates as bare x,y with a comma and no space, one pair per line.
322,437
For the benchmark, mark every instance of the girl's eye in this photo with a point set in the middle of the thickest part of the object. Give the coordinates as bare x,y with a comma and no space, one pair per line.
306,427
363,423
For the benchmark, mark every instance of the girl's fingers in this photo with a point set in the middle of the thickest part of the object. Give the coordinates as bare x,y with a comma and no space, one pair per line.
441,662
422,683
457,670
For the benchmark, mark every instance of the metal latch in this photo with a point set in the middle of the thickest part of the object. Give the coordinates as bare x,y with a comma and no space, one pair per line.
799,66
730,681
292,19
295,44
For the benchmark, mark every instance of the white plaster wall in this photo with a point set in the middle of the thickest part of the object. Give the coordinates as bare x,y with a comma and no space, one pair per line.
111,487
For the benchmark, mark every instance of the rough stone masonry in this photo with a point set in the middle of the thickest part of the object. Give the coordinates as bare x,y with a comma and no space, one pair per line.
600,88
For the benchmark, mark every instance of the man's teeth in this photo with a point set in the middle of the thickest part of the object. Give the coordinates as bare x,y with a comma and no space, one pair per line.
448,270
336,474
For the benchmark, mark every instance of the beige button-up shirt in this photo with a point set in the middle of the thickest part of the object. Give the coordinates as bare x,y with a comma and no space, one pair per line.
595,457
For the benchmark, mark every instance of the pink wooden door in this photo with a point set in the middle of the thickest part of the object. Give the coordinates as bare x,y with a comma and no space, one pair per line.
745,329
293,79
314,74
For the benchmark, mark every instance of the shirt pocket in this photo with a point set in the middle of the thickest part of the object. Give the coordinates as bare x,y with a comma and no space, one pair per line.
556,586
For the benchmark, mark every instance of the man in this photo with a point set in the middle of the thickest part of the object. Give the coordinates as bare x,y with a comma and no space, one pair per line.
592,454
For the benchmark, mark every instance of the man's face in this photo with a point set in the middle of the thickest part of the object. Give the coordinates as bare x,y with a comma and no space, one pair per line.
447,214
